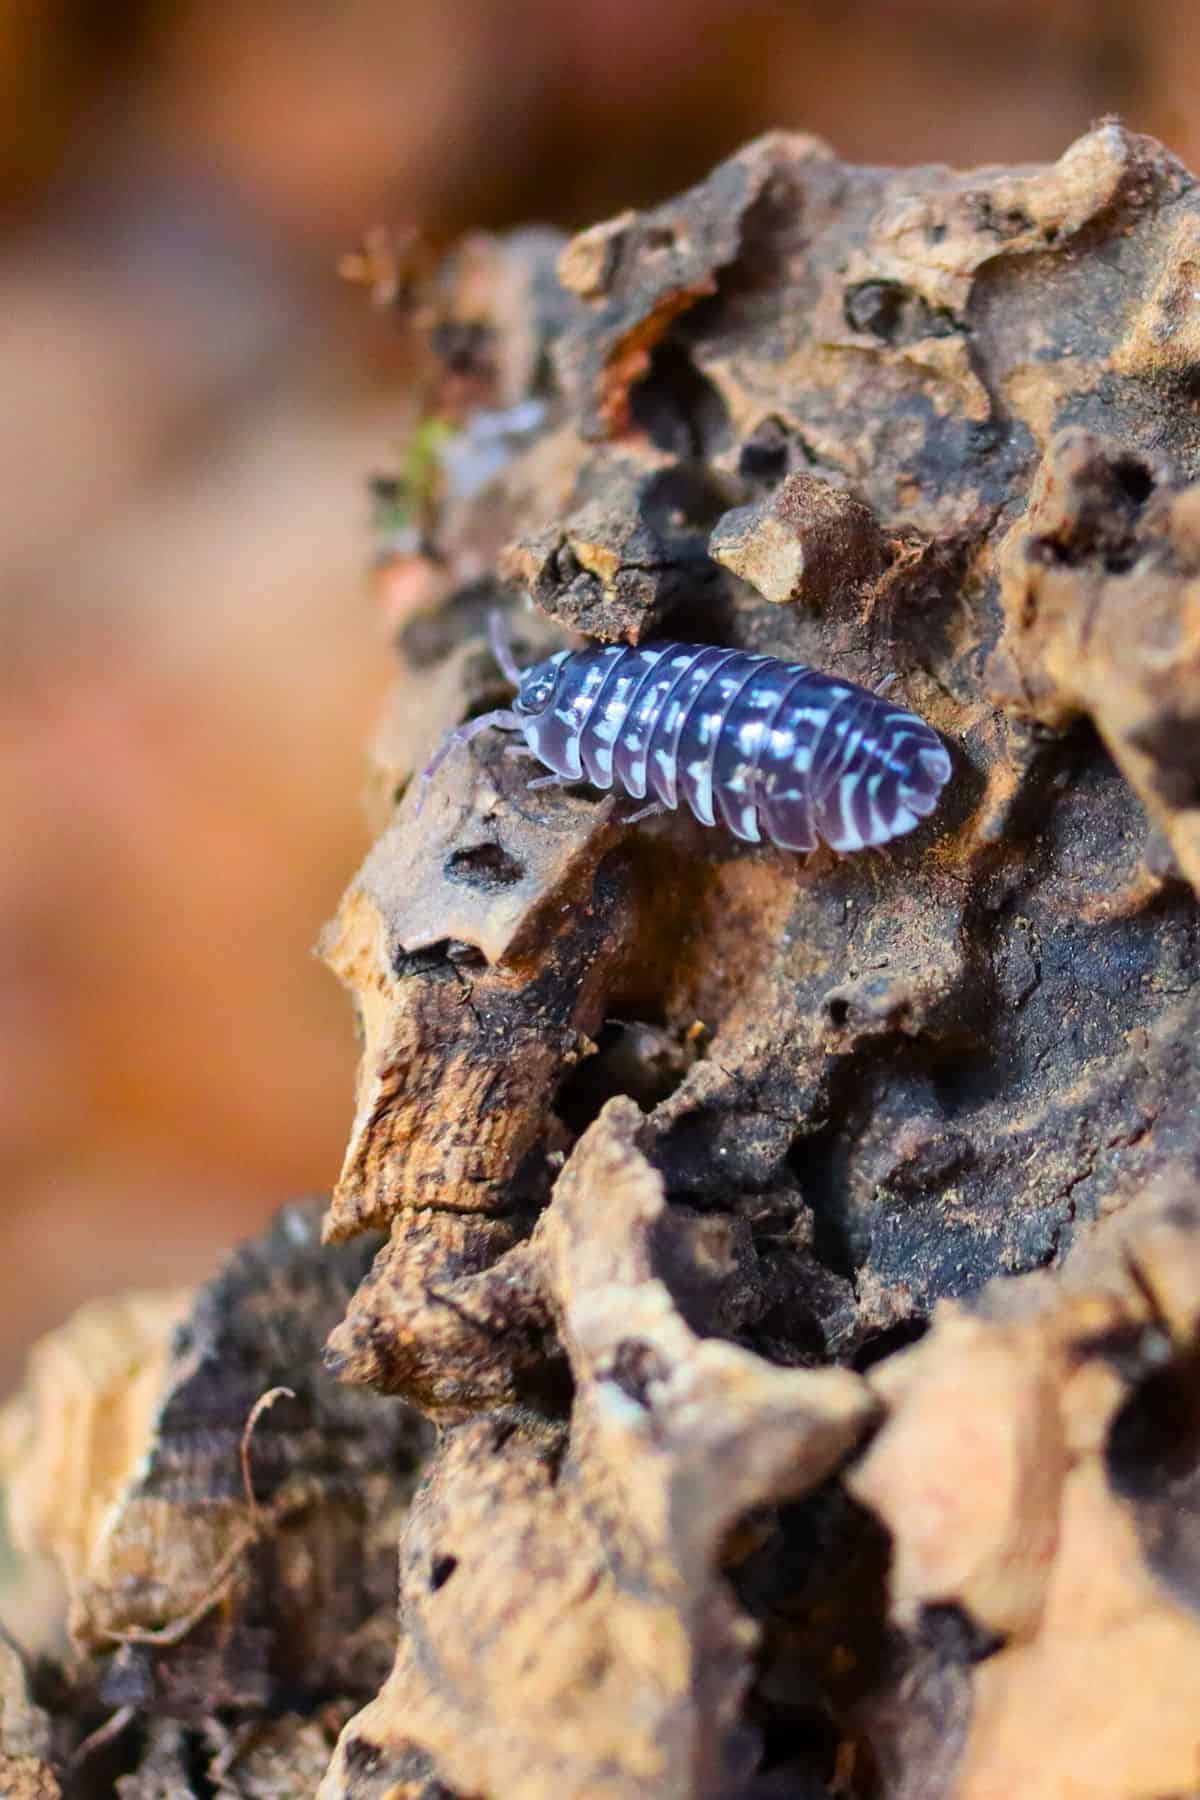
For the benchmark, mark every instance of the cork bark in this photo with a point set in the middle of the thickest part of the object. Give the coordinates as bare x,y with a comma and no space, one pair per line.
800,1257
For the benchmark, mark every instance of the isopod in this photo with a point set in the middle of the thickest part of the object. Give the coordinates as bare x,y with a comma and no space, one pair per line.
770,749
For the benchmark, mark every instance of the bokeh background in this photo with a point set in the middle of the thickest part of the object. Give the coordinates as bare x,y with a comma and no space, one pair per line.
190,406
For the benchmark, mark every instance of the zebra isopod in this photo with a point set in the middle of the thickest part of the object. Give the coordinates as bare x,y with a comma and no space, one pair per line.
772,750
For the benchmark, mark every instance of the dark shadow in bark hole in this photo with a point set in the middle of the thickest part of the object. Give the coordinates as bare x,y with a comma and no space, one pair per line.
889,311
548,1388
773,450
816,1584
678,407
446,956
198,1760
797,1756
683,500
820,1162
632,1057
1133,478
869,1092
487,867
1153,1461
878,1344
440,1571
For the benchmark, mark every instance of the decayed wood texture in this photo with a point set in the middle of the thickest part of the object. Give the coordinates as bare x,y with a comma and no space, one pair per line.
699,1524
225,1562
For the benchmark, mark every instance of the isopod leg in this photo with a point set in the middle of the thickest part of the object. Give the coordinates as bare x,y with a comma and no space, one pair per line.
503,719
550,781
506,662
654,810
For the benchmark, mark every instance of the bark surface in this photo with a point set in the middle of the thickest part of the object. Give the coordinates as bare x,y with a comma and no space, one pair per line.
705,1518
800,1257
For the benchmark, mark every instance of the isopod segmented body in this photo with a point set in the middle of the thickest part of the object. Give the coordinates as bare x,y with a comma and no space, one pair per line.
770,749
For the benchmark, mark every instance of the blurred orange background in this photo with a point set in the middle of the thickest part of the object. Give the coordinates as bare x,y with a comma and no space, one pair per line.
191,406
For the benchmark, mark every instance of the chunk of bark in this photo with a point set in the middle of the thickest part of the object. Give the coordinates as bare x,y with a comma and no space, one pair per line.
208,1568
505,1027
1032,1450
637,274
808,541
1102,611
887,1080
558,1592
633,545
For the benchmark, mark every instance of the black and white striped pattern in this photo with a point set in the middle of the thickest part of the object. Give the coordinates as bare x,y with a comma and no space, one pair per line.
769,749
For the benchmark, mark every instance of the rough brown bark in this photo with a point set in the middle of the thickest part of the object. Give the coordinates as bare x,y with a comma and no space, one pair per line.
801,1257
935,424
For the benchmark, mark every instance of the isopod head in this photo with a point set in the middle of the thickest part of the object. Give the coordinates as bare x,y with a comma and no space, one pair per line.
549,727
537,685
